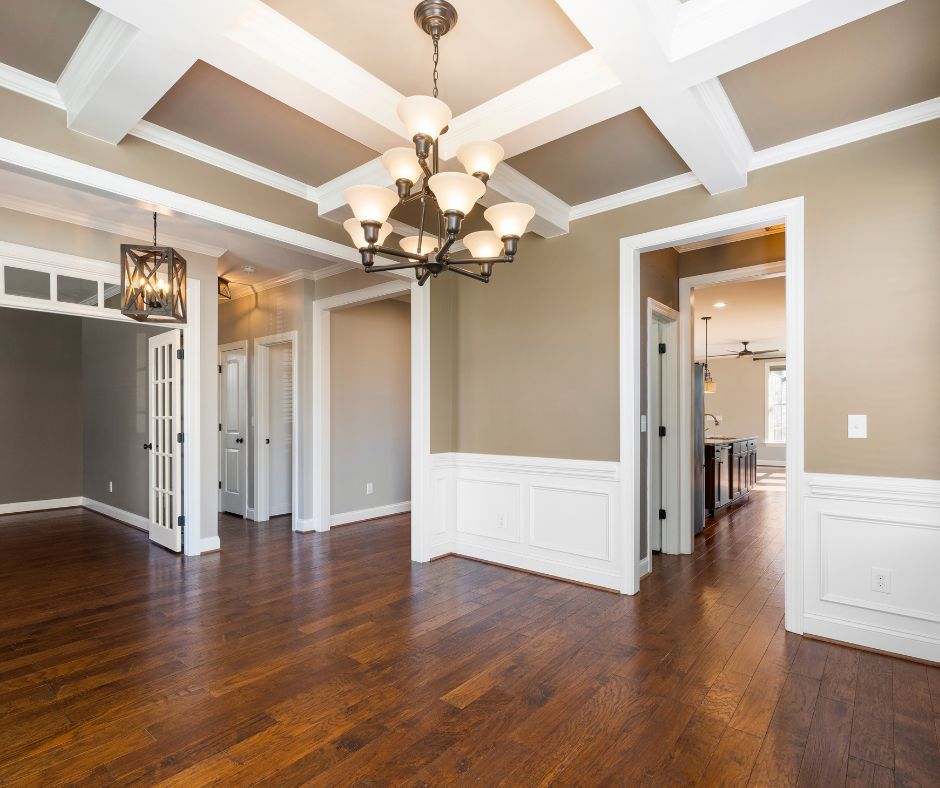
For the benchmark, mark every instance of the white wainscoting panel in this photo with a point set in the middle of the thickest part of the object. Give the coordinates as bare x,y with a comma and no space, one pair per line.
855,525
556,517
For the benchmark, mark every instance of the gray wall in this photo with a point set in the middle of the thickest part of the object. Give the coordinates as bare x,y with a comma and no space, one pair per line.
114,375
370,402
40,406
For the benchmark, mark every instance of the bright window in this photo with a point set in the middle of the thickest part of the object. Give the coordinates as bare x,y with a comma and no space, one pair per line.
776,403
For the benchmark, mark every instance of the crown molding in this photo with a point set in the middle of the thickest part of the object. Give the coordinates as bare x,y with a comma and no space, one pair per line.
243,289
30,86
727,239
194,149
843,135
24,205
640,194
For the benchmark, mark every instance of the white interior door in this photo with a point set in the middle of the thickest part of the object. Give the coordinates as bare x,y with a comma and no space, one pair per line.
165,402
280,423
233,430
656,440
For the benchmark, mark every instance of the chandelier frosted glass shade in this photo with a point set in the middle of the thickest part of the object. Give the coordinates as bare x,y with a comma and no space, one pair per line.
483,243
456,191
480,156
410,244
370,203
424,116
402,164
356,233
509,219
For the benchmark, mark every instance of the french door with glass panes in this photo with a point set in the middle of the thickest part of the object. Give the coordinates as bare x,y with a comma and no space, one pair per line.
165,371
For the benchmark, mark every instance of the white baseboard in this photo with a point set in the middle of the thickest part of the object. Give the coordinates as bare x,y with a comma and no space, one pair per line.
210,544
772,463
36,506
128,518
370,514
250,513
853,525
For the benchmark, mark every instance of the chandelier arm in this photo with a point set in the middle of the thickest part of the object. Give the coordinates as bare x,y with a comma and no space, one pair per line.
399,267
470,274
442,254
419,259
481,260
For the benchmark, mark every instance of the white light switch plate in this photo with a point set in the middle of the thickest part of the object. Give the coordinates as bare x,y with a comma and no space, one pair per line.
858,426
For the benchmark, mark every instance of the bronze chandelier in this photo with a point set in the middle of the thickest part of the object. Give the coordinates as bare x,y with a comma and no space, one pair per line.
446,197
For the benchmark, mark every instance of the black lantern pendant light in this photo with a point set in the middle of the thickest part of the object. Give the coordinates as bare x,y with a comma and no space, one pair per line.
153,282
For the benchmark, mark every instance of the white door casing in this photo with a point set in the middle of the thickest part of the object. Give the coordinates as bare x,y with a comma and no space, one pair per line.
164,396
278,442
233,428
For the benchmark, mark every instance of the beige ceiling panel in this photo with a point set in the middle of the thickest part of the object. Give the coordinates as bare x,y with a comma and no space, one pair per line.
216,109
754,312
496,45
618,154
39,36
877,64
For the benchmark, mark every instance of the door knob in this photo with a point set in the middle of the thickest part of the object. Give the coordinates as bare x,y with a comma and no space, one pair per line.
239,440
148,446
267,440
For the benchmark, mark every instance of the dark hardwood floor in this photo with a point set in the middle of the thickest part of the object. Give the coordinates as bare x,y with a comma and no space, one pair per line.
330,658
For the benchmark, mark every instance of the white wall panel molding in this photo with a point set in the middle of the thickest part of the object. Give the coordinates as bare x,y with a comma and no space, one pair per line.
553,516
856,525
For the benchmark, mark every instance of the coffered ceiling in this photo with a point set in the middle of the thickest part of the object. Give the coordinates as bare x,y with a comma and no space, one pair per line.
39,37
495,46
598,103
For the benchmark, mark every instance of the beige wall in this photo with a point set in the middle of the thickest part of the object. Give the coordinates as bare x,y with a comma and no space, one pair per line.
537,349
444,388
739,402
370,405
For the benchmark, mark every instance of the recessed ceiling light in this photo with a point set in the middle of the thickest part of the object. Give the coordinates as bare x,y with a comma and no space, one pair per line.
720,305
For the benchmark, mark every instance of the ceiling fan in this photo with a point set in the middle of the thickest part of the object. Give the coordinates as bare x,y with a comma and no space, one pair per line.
748,353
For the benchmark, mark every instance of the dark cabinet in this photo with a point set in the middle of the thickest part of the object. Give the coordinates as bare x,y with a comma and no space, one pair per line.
730,472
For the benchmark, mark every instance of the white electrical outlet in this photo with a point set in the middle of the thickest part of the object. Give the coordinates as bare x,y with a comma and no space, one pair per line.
881,580
501,522
110,486
858,426
369,488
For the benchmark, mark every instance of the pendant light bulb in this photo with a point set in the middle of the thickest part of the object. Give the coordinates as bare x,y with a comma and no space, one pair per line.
423,116
456,192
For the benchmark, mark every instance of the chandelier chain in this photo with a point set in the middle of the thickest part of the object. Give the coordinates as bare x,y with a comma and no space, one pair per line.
437,54
154,228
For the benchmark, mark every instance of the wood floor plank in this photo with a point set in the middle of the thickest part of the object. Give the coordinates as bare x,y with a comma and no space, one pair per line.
332,659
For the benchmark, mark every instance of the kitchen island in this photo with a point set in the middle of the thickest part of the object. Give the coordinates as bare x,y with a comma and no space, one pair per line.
730,470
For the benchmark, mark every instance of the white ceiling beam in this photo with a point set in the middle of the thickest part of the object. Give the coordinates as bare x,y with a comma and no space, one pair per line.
115,76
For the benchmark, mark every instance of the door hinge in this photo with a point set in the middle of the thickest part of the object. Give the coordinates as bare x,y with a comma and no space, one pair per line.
220,428
179,437
662,347
220,485
662,514
179,353
662,432
220,369
181,521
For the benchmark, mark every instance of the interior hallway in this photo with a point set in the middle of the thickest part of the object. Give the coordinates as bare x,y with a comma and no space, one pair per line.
332,657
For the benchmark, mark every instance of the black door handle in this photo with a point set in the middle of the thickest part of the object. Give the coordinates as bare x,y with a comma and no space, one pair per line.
148,446
239,440
267,440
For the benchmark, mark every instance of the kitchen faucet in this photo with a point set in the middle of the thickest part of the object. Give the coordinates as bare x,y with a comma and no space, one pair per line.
713,418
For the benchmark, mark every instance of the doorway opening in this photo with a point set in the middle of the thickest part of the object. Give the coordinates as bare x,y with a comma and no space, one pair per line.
788,217
276,438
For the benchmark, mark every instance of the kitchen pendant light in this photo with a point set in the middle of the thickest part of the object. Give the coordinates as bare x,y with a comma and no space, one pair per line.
446,198
153,282
709,386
